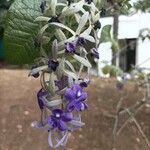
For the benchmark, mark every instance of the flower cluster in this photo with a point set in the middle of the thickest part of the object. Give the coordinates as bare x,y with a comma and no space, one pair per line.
62,97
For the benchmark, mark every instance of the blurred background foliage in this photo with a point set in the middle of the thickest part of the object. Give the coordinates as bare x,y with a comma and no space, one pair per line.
143,5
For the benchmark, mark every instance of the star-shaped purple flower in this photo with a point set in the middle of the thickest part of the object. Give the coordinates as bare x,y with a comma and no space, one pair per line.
81,41
52,64
70,47
89,1
59,118
76,97
84,83
97,25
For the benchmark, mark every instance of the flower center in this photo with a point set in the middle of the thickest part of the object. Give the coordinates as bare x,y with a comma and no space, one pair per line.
78,93
57,115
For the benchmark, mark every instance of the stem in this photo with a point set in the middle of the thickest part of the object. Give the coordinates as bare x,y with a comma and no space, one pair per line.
139,128
116,121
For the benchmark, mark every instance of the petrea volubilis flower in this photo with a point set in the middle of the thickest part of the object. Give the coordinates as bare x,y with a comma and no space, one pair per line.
59,118
76,97
84,83
81,41
52,65
120,86
95,53
62,83
97,25
70,47
89,1
62,96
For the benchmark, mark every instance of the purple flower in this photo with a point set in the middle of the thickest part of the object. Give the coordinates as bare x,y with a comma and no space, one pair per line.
97,25
120,86
62,83
52,65
81,41
76,97
70,47
59,118
37,74
89,1
84,83
40,95
95,53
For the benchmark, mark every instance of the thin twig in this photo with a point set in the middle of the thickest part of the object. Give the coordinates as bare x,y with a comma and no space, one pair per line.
136,107
134,111
117,116
116,121
139,128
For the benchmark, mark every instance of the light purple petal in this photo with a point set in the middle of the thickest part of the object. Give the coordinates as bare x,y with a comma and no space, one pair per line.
67,117
82,97
70,95
62,125
70,106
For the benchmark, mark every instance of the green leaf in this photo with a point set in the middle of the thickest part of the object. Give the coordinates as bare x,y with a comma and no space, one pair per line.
105,34
21,31
3,13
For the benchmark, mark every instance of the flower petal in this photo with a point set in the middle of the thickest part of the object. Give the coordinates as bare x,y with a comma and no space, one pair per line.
70,95
67,116
70,106
62,125
82,97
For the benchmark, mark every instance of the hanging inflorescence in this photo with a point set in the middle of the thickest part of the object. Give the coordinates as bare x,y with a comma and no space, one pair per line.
64,68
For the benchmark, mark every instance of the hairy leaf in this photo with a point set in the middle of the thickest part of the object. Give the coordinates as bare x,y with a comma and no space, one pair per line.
21,31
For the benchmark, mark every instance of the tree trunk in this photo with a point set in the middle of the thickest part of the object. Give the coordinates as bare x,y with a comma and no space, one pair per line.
115,35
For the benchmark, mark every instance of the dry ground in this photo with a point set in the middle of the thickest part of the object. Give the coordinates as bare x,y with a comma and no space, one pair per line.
19,108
